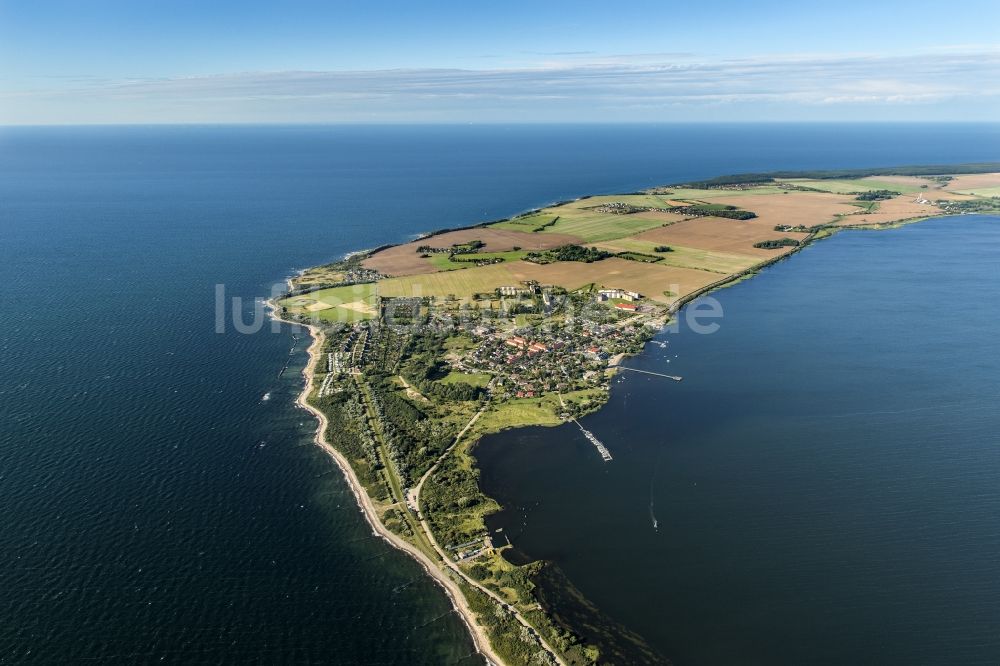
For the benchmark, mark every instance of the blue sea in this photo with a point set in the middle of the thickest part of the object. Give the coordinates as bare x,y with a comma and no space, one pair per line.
841,430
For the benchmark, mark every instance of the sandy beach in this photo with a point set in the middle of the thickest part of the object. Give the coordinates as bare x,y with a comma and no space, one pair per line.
368,509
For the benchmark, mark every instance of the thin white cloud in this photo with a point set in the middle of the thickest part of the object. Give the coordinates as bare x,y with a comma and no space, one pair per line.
637,89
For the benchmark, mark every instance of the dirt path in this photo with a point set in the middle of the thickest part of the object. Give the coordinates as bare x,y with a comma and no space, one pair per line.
415,499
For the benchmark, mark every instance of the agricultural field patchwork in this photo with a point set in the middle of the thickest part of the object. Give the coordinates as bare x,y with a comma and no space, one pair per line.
901,184
684,257
462,284
591,226
705,243
406,260
979,184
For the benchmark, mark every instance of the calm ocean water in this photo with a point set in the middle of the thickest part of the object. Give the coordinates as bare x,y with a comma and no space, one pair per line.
824,479
154,507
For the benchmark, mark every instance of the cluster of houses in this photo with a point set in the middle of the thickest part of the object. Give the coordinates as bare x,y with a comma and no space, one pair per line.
530,347
531,362
361,275
351,275
527,367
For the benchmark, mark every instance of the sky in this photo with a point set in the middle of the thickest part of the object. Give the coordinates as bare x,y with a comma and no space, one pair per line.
303,61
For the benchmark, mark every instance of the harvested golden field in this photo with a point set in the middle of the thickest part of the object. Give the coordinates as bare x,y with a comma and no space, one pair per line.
683,257
704,248
405,260
795,208
903,207
721,235
946,195
650,280
983,184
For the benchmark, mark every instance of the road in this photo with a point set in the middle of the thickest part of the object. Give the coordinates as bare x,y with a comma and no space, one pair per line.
424,535
446,560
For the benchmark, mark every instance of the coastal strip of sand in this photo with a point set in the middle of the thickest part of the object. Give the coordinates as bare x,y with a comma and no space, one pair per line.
368,510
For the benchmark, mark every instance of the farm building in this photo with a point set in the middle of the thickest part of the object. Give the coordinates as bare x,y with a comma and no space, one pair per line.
606,294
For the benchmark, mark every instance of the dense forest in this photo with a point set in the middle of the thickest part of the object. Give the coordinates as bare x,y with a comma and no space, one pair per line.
913,170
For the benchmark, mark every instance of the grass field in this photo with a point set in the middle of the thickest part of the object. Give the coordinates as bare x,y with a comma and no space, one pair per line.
476,379
520,412
578,219
983,191
592,226
459,342
531,411
478,279
526,223
443,262
346,304
648,200
688,194
684,257
862,184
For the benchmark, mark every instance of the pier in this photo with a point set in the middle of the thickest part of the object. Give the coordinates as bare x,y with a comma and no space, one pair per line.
650,372
603,450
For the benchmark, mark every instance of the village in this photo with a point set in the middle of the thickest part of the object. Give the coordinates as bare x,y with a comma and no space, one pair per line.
560,355
424,348
560,351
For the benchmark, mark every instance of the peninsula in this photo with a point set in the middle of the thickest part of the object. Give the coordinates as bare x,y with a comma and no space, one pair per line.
421,349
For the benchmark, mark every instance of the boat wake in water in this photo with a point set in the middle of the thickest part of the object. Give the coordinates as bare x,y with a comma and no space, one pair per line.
652,512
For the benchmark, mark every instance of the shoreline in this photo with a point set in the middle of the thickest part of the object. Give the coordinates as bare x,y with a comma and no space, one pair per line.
455,596
440,571
511,520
